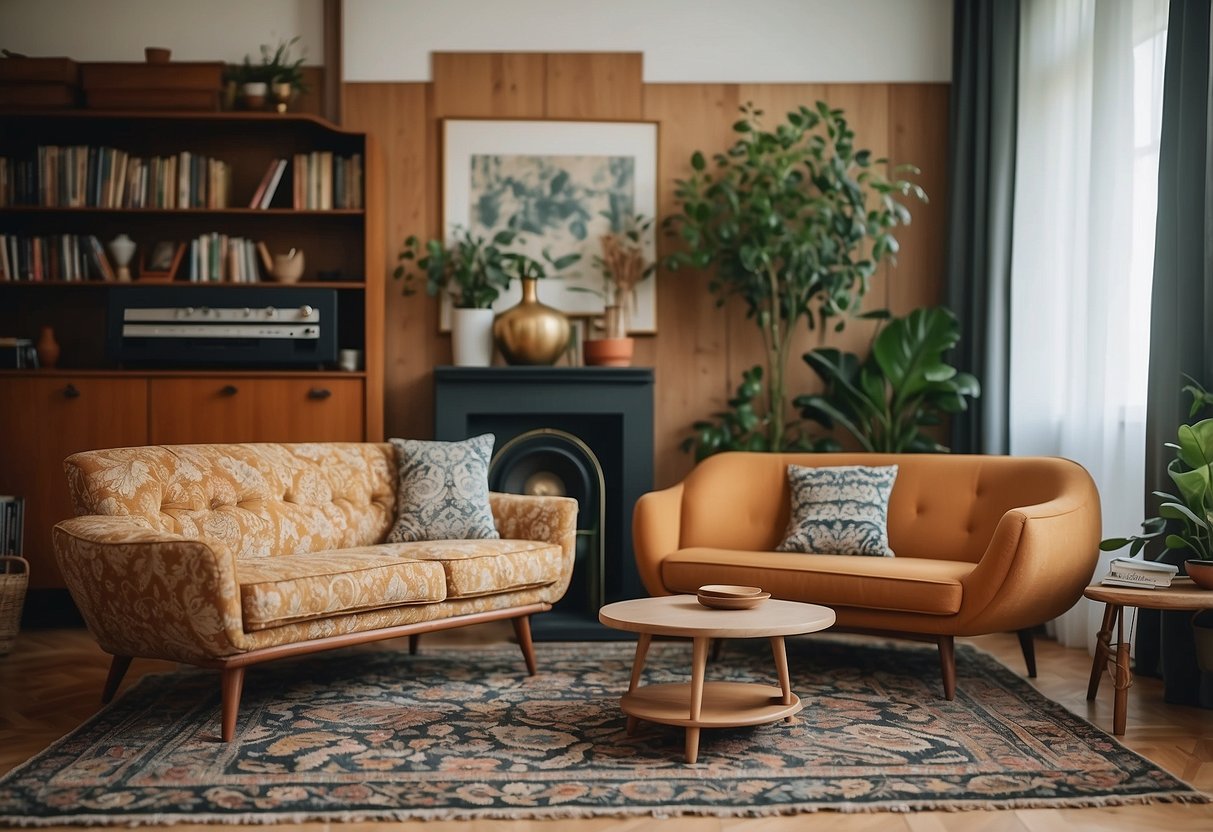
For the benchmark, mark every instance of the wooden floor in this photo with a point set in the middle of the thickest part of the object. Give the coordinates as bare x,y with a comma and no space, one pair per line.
51,681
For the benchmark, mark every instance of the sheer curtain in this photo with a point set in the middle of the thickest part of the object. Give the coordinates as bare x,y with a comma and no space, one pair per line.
1090,98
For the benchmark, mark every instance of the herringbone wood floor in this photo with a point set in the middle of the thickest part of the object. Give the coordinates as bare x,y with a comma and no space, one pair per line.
52,680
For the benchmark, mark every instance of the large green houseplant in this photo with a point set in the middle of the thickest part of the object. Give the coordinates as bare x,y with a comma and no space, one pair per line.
472,271
1185,519
794,221
885,401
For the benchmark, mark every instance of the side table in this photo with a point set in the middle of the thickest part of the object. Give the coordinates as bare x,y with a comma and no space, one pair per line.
1182,594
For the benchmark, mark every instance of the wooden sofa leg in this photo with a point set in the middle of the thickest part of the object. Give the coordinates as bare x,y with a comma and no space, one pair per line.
414,640
118,668
947,663
522,631
1028,645
231,683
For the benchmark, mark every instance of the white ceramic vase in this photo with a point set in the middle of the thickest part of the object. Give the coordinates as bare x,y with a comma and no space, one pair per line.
122,249
472,337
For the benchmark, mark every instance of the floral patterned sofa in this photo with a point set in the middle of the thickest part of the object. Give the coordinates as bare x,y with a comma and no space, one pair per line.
230,555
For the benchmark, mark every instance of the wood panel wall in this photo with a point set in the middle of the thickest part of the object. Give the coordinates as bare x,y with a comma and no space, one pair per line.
699,351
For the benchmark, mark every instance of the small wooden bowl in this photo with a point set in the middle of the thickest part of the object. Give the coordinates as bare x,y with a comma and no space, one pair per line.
729,591
746,603
157,55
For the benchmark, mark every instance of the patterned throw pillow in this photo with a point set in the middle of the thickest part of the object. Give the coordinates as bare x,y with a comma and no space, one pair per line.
840,511
442,491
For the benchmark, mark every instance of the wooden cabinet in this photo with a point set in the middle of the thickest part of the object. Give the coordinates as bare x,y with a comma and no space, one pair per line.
232,408
42,421
92,401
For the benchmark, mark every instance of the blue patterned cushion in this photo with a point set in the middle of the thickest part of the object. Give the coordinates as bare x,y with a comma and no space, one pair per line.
443,490
840,511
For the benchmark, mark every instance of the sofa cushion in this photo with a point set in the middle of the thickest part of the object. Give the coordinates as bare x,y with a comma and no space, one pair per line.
900,584
839,510
482,567
276,591
443,490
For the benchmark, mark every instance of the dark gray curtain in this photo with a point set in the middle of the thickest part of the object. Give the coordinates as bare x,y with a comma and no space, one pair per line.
985,80
1181,316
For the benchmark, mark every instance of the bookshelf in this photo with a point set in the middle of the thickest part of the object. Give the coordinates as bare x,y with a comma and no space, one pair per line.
89,400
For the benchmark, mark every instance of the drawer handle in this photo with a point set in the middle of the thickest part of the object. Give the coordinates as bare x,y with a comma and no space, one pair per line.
70,392
319,393
228,390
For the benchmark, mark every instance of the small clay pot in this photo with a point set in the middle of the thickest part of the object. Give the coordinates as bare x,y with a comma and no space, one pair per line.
157,55
1201,572
608,352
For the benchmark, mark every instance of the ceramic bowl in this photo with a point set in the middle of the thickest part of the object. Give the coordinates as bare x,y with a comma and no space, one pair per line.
729,591
744,603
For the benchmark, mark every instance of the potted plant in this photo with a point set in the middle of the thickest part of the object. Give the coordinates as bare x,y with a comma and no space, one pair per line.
278,70
903,386
795,221
623,265
472,270
1185,520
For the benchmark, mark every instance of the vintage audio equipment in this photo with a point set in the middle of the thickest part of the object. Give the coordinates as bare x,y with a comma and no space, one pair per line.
222,326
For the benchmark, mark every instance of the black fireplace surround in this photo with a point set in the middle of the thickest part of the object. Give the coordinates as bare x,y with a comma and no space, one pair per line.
583,431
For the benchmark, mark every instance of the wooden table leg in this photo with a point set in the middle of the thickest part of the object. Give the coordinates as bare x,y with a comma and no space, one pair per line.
781,667
699,663
1124,676
642,650
1103,648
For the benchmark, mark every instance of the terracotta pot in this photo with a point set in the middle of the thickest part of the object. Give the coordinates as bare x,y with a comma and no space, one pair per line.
609,352
531,332
47,348
157,55
1201,572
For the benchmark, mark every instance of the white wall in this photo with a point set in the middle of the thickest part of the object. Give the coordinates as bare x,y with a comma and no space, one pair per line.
196,30
391,40
682,40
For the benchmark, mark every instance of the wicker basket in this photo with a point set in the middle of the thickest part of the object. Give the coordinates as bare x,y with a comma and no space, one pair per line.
14,578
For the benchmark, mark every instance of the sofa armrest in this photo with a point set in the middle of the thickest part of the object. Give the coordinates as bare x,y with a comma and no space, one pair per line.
528,517
1036,566
145,592
656,531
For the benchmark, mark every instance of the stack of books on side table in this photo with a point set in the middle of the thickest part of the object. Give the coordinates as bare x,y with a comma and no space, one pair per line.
1141,574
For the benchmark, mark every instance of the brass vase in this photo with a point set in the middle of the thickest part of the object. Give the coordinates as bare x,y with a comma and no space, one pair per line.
531,332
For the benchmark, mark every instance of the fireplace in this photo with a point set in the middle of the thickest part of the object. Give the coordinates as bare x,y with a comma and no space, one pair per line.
581,432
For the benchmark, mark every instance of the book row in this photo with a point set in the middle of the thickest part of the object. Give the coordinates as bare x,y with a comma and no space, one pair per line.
323,181
218,258
61,257
105,177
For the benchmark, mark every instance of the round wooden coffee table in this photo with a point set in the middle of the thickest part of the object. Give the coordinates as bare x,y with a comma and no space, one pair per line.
700,704
1182,594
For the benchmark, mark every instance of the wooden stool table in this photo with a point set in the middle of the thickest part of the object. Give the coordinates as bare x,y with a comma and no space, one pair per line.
1182,594
700,704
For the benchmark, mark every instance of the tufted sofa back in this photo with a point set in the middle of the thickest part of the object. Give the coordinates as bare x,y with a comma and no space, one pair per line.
943,506
259,500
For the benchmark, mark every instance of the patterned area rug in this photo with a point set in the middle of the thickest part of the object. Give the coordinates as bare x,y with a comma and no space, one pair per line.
359,735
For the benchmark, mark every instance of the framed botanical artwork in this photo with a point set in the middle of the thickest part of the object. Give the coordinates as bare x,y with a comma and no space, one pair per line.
562,185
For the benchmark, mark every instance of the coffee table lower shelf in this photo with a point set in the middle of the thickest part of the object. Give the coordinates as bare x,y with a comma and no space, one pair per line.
725,704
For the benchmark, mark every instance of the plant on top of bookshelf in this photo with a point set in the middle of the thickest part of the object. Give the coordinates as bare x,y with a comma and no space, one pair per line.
277,67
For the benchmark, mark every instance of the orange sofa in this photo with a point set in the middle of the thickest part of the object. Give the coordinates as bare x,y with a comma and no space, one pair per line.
982,543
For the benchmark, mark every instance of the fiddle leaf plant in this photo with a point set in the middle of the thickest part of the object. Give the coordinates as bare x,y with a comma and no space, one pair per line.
794,221
904,385
1190,512
472,269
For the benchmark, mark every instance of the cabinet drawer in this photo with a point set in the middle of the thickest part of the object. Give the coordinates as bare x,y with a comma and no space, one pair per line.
310,410
207,409
47,419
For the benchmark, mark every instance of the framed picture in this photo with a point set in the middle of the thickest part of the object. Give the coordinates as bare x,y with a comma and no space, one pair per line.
161,260
562,184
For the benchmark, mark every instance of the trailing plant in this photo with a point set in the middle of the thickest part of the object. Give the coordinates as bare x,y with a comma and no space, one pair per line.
472,270
1191,510
904,385
794,221
743,427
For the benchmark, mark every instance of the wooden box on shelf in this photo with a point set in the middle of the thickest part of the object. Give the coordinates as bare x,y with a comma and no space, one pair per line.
179,86
39,83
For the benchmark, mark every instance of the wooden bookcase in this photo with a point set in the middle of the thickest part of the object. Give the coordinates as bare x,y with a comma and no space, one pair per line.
88,401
